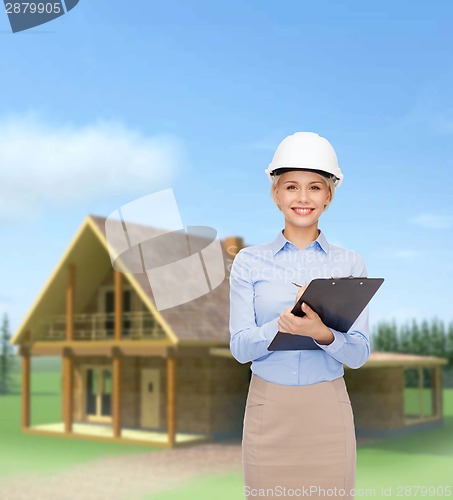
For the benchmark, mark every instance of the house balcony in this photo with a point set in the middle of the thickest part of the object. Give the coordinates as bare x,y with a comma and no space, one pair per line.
137,325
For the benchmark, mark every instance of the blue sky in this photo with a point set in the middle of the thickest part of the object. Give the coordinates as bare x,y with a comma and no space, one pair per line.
116,100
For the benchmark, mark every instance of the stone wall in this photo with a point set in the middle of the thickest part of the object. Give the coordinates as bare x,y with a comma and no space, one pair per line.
193,402
229,387
210,391
377,397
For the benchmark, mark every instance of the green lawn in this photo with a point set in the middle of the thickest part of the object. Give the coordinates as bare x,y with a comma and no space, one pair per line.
21,452
412,403
425,458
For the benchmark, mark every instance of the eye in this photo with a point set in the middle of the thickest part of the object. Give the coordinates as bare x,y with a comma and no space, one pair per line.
316,187
291,186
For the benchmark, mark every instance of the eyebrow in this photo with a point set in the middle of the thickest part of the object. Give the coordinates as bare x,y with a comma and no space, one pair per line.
312,182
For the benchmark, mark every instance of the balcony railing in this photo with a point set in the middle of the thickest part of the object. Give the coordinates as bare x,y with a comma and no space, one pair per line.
137,325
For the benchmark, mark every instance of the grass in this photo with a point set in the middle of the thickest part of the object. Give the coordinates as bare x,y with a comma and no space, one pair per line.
227,487
412,403
384,469
21,452
424,458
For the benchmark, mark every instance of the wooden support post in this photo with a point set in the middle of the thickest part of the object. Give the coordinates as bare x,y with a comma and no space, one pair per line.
437,391
171,396
68,384
420,391
118,304
25,388
70,300
117,368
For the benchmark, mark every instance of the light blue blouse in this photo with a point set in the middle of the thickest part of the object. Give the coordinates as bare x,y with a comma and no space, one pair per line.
261,289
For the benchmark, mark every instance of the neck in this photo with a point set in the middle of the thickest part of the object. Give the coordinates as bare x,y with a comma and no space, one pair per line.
301,237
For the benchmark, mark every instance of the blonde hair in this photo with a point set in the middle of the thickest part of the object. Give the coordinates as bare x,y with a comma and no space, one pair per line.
328,180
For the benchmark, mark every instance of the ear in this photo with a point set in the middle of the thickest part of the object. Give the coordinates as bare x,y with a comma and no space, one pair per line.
274,193
329,199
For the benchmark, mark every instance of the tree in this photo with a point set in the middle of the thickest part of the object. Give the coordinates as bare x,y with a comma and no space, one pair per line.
438,338
405,338
449,344
7,359
425,338
416,343
386,339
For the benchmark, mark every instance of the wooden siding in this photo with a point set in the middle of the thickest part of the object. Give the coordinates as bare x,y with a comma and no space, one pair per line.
229,388
377,397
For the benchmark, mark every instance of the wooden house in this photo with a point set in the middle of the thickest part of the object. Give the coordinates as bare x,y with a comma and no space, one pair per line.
394,393
132,373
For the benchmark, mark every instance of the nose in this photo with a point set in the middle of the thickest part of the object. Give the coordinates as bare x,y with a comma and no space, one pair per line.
303,195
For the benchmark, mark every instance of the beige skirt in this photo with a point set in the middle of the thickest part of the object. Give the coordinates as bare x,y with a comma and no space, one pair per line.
299,441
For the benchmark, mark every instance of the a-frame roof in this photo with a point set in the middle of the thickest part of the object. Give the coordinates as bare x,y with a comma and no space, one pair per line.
203,320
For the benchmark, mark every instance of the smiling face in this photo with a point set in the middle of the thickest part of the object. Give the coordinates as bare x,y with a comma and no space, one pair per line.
302,197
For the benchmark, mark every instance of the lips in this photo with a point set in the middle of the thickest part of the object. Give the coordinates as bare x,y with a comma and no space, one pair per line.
302,211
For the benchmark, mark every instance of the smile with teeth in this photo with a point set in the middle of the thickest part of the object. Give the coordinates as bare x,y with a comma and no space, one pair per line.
303,211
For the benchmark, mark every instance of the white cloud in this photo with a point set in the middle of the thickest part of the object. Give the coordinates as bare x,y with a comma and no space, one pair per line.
432,221
44,164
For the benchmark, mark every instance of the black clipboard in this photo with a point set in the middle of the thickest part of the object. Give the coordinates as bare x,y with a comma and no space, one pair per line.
337,301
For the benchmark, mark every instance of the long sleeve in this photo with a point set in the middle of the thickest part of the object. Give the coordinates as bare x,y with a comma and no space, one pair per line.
248,340
353,347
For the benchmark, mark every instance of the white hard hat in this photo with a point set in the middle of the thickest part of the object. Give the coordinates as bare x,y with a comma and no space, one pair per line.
306,151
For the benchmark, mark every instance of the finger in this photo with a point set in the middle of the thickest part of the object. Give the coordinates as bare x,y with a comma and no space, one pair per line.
300,292
282,327
282,321
307,309
286,313
285,324
309,312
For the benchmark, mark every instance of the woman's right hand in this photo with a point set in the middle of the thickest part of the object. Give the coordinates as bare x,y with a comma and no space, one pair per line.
300,292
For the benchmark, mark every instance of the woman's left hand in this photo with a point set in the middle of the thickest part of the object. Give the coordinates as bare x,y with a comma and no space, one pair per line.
310,325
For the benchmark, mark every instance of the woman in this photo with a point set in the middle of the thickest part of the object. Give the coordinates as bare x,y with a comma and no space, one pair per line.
298,435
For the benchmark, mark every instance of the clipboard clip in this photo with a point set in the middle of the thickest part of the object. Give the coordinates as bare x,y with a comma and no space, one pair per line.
349,277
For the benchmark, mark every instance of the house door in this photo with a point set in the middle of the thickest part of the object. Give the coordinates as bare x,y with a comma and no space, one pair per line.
98,388
150,397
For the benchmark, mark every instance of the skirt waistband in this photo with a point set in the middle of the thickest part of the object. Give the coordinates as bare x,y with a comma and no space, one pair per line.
260,388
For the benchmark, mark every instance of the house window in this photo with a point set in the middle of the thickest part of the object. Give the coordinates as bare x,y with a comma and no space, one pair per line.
106,395
98,392
92,391
110,313
419,393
